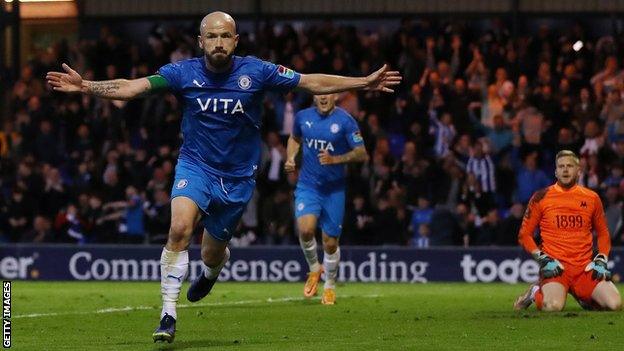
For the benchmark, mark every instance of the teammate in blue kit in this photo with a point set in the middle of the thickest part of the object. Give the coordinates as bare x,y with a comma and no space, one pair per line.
221,96
330,138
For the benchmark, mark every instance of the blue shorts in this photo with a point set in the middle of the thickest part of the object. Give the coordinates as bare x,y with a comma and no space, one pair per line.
327,207
222,200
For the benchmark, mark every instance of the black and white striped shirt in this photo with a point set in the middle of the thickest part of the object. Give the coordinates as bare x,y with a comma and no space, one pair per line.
443,133
484,171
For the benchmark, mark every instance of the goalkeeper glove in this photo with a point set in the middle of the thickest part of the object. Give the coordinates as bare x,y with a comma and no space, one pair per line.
549,267
598,267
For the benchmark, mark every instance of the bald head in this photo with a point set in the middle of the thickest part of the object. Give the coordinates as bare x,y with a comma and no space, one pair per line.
218,39
217,19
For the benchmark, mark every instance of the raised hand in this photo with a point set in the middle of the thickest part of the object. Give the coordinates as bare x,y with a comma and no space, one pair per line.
383,80
69,82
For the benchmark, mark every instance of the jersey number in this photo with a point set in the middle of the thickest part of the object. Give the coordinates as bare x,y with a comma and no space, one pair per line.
569,221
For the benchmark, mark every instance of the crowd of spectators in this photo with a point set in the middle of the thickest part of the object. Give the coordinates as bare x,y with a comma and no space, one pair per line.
456,152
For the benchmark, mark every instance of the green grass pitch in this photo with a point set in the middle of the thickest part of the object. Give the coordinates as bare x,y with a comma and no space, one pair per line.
274,316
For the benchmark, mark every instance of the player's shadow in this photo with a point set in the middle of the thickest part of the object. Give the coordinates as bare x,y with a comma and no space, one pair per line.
202,344
569,312
266,306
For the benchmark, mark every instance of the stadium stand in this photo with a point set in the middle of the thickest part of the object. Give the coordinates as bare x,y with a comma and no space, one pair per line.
455,154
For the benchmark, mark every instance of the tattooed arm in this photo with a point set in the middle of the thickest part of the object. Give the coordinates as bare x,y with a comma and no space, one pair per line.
117,89
358,154
381,80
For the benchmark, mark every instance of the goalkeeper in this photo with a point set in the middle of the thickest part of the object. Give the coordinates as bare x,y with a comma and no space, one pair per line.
566,214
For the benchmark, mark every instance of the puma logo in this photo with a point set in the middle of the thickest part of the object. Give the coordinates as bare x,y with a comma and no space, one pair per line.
179,279
309,124
197,83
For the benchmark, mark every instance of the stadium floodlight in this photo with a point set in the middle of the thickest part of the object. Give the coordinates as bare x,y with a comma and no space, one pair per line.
577,46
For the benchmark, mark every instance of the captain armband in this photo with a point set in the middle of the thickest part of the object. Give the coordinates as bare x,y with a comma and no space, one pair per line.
157,83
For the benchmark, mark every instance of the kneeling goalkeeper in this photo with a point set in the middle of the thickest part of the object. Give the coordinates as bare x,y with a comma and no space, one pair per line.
566,214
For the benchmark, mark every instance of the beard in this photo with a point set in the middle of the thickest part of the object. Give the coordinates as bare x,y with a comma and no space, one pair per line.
218,59
569,184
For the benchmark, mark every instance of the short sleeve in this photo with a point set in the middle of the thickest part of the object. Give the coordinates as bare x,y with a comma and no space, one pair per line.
352,133
297,125
172,72
278,77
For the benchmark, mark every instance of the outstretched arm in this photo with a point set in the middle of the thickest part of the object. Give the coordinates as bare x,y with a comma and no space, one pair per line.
381,80
118,89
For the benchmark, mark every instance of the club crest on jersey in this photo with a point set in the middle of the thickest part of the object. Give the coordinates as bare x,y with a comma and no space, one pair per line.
244,82
285,72
357,137
309,124
583,204
182,184
334,128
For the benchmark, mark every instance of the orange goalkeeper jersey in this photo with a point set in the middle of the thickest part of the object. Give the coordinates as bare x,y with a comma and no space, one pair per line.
566,218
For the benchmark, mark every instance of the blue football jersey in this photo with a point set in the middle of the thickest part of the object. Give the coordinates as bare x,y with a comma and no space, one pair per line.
337,132
222,111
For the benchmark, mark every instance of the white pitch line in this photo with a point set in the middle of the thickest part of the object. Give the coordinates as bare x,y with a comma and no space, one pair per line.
141,308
